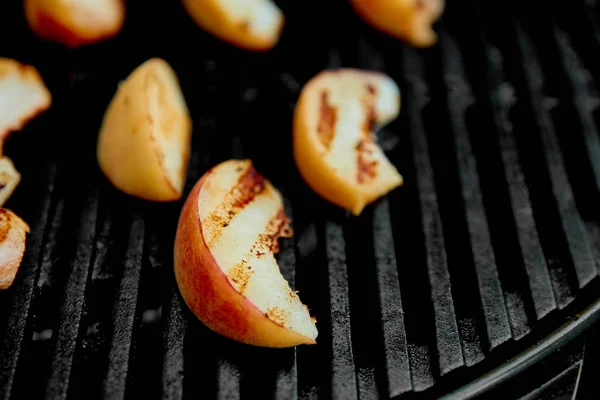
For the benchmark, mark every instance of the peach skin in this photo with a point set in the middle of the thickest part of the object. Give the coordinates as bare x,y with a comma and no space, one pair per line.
408,20
75,23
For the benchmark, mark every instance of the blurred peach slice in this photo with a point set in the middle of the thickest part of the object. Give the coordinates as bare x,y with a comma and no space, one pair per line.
249,24
145,137
23,95
408,20
334,142
13,231
75,23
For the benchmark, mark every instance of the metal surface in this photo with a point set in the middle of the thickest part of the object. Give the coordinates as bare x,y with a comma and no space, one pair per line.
485,255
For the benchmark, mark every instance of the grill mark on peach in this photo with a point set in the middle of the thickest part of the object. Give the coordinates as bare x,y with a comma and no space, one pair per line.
249,185
240,275
277,315
371,115
327,120
277,227
268,241
366,167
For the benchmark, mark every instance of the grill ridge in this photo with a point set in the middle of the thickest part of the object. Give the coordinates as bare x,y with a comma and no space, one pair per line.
173,342
392,313
125,308
343,378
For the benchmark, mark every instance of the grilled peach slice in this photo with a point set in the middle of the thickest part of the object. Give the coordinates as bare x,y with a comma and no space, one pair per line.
409,20
23,95
249,24
225,264
75,23
145,138
334,143
12,246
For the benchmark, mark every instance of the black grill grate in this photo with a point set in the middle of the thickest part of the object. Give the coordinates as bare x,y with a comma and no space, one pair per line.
492,243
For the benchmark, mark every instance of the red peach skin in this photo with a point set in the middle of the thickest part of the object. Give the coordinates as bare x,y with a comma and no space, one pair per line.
75,23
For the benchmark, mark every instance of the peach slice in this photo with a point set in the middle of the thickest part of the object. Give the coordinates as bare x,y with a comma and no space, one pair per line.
9,179
75,23
145,138
249,24
225,264
23,95
409,20
13,231
334,143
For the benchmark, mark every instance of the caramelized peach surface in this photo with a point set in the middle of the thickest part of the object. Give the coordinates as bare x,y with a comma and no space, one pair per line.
334,142
145,138
225,262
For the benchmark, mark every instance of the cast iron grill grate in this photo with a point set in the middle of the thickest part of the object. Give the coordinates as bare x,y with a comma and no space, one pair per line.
490,245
